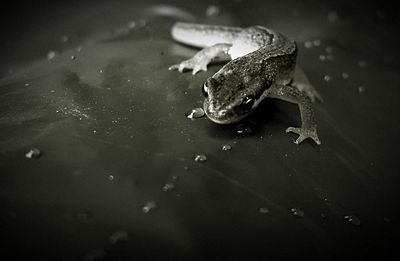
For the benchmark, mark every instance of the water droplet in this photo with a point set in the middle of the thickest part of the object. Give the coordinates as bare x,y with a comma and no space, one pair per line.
332,17
131,24
100,71
352,219
361,89
51,55
328,49
118,236
150,206
317,42
345,75
142,23
327,78
95,254
308,44
168,186
243,129
110,177
186,168
200,158
362,63
83,216
263,210
226,147
174,177
73,57
195,113
213,10
64,38
322,57
33,153
27,85
297,212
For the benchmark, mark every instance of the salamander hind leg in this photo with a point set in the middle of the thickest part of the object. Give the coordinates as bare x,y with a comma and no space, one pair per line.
301,82
201,59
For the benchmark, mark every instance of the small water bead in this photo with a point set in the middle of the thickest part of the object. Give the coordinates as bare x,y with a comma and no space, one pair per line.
195,113
142,23
64,38
200,158
263,210
150,206
33,153
226,147
110,177
308,44
362,63
95,255
345,75
213,10
83,216
119,236
328,49
327,78
352,219
322,57
332,17
51,55
132,24
243,129
297,212
317,42
168,186
73,57
361,89
386,220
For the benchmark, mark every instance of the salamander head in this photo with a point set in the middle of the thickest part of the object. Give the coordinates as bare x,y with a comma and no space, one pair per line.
233,93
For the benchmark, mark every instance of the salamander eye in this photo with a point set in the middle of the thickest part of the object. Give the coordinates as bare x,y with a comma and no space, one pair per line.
204,89
247,103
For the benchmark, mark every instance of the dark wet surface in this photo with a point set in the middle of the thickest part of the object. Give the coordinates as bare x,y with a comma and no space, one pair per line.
116,178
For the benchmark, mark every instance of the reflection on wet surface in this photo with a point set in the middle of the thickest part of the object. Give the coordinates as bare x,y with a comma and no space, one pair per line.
100,162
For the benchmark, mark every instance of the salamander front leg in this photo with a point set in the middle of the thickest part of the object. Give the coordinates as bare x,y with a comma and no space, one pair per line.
200,61
308,127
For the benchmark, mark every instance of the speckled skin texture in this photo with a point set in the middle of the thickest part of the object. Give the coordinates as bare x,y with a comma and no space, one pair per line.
263,65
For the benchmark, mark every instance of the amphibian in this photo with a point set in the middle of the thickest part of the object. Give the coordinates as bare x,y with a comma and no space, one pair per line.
262,64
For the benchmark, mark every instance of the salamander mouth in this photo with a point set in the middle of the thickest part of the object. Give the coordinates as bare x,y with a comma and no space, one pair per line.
227,118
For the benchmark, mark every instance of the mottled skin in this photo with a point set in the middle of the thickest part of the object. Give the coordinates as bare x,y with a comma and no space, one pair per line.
263,65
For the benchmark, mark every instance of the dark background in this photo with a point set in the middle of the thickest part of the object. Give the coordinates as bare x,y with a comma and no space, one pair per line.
109,120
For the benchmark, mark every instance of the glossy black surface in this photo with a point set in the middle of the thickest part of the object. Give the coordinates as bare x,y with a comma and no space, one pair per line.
109,120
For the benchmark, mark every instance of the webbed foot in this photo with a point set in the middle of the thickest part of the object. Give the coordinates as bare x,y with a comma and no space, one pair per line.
304,134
